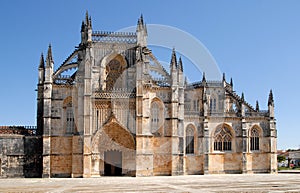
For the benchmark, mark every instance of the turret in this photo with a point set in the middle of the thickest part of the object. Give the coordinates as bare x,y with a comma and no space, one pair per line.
141,31
42,70
49,66
271,104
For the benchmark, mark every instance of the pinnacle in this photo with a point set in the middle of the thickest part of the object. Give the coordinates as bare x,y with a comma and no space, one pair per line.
173,59
180,67
42,62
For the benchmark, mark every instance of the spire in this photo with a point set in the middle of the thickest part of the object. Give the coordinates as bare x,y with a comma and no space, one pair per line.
180,67
271,100
42,62
231,82
86,17
224,79
257,106
243,97
173,64
141,30
203,77
49,60
142,19
88,20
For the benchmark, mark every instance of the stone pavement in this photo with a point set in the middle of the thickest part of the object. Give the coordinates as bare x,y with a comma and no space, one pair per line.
207,183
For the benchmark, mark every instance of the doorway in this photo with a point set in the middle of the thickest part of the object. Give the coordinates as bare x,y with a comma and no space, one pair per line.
113,163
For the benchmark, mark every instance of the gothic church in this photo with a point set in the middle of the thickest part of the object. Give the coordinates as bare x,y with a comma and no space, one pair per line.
121,113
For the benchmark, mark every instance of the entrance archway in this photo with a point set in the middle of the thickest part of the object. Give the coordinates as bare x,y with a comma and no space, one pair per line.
113,148
112,163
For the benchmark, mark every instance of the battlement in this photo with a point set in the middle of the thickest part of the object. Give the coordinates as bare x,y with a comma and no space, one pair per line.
19,130
114,37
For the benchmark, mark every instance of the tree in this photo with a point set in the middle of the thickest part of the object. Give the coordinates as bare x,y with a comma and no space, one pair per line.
280,158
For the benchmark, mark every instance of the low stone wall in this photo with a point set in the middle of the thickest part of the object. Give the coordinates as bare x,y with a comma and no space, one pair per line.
20,156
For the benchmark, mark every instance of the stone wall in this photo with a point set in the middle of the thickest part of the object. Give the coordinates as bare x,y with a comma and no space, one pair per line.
61,159
20,156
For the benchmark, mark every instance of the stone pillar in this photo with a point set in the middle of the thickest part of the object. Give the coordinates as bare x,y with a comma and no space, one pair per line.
77,158
47,131
245,146
273,146
87,111
206,147
144,153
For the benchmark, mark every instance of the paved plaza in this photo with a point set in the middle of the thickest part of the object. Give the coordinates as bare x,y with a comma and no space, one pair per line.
207,183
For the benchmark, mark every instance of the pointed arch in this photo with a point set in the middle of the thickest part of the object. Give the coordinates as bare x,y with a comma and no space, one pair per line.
113,136
223,137
114,65
190,132
156,116
213,103
255,134
68,115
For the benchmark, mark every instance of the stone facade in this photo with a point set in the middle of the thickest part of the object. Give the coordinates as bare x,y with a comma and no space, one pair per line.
119,112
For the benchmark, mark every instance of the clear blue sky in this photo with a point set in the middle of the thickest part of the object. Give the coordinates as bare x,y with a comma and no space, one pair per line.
256,42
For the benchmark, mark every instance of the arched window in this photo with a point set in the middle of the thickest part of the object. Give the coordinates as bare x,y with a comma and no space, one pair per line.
222,139
254,139
69,118
213,104
114,70
189,140
156,117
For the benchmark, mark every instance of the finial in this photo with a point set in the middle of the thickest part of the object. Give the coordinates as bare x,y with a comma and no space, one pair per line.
224,79
42,62
271,100
257,106
231,82
180,67
203,77
243,97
